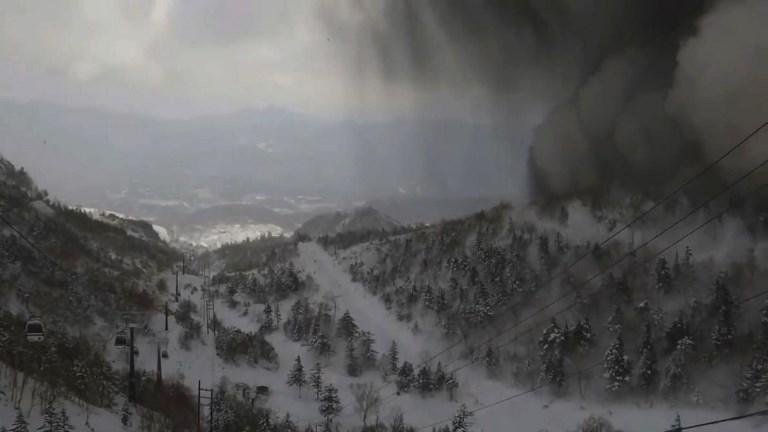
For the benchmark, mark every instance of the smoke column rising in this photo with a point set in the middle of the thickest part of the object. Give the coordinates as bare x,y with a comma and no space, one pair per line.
635,94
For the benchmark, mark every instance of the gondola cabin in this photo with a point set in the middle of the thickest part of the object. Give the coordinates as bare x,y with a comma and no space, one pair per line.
121,340
35,330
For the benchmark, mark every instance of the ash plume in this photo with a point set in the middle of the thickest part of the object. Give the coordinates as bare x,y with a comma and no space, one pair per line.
635,95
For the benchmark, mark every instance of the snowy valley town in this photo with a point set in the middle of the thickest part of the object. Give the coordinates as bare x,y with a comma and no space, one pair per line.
383,216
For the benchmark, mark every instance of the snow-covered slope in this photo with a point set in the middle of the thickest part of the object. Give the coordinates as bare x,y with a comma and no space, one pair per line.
359,219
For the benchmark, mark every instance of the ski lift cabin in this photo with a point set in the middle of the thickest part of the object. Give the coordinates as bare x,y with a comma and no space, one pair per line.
121,340
35,330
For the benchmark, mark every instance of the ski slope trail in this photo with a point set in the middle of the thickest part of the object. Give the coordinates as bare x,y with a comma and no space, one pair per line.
368,310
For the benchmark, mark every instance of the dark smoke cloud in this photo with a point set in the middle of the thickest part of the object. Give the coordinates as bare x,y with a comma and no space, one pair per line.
639,92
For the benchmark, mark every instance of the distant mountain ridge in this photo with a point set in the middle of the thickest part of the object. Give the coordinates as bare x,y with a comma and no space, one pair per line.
359,219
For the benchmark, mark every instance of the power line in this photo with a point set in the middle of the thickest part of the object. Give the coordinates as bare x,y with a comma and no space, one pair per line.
722,420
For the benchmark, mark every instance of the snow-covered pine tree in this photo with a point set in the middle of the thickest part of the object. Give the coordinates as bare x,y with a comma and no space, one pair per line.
278,315
582,337
755,378
393,358
269,323
297,377
126,413
677,425
405,377
722,306
20,423
330,405
424,380
63,422
368,353
491,357
616,366
676,332
353,362
428,297
616,320
347,328
648,369
316,379
439,377
50,420
551,354
461,422
321,344
676,371
663,275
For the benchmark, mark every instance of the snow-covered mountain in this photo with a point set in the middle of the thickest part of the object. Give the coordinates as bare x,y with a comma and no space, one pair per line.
359,219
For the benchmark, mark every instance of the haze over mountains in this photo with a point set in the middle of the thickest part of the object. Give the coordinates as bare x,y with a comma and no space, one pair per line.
268,166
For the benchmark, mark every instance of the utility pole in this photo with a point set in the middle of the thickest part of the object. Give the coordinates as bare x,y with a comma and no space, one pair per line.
200,397
131,371
184,263
177,284
166,316
159,368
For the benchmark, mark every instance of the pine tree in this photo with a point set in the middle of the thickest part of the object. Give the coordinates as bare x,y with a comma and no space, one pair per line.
582,337
676,332
125,413
50,420
616,320
330,405
491,357
461,421
322,345
63,422
424,382
316,380
429,298
616,366
20,424
663,276
353,363
451,385
648,373
676,372
755,378
722,306
278,315
439,377
269,324
297,377
551,345
368,353
677,425
405,377
393,358
347,327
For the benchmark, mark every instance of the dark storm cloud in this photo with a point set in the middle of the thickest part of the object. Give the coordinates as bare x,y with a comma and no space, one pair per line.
631,84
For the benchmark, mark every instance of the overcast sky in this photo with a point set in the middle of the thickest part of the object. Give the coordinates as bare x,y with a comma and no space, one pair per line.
170,57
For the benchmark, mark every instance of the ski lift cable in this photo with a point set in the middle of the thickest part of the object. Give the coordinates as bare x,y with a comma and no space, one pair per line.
636,219
718,421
